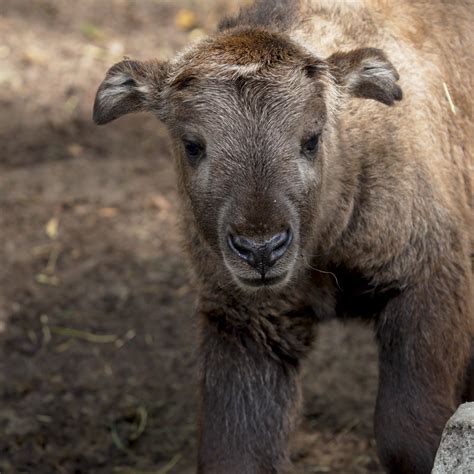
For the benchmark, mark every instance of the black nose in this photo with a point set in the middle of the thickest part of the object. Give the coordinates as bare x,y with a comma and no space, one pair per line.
261,254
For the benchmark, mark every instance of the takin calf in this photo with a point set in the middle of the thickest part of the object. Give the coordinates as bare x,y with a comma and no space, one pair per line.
287,174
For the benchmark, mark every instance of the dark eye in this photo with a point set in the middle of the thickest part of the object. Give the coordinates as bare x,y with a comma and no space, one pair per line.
311,145
194,150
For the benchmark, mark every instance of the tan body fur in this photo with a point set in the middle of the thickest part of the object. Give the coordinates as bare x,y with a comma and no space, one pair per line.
428,139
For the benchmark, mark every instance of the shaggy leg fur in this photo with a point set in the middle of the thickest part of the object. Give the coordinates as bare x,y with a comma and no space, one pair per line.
250,392
424,349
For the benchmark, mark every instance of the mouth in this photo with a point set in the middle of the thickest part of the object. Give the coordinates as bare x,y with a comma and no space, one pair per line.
262,282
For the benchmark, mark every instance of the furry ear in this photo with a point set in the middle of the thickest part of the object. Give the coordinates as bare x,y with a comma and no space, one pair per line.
367,73
129,86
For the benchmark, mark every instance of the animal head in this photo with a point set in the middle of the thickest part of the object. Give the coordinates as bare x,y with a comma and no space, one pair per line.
253,120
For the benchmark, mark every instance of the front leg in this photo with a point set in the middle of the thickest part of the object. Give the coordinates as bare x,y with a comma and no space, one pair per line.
249,382
424,340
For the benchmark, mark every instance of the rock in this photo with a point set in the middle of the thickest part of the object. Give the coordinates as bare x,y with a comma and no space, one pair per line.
456,451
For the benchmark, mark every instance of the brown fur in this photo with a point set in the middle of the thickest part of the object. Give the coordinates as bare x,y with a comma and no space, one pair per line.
385,205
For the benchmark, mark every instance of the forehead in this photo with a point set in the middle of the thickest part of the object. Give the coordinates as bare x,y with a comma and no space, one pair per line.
249,73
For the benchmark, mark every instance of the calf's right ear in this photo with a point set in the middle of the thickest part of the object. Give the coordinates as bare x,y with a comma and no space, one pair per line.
129,86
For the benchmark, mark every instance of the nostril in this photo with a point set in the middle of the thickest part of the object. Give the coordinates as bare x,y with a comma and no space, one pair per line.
278,246
241,247
280,240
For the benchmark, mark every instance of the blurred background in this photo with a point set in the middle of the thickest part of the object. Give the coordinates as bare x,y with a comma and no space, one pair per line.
97,335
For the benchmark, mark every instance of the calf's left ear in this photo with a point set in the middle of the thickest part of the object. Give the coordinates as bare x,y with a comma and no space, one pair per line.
366,73
129,86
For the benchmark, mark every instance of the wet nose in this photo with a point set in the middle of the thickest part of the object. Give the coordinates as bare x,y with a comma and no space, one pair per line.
261,254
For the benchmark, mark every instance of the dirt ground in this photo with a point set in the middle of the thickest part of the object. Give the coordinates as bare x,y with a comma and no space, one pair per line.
97,333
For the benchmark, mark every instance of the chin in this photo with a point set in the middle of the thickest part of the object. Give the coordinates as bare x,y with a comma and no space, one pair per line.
252,283
266,282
